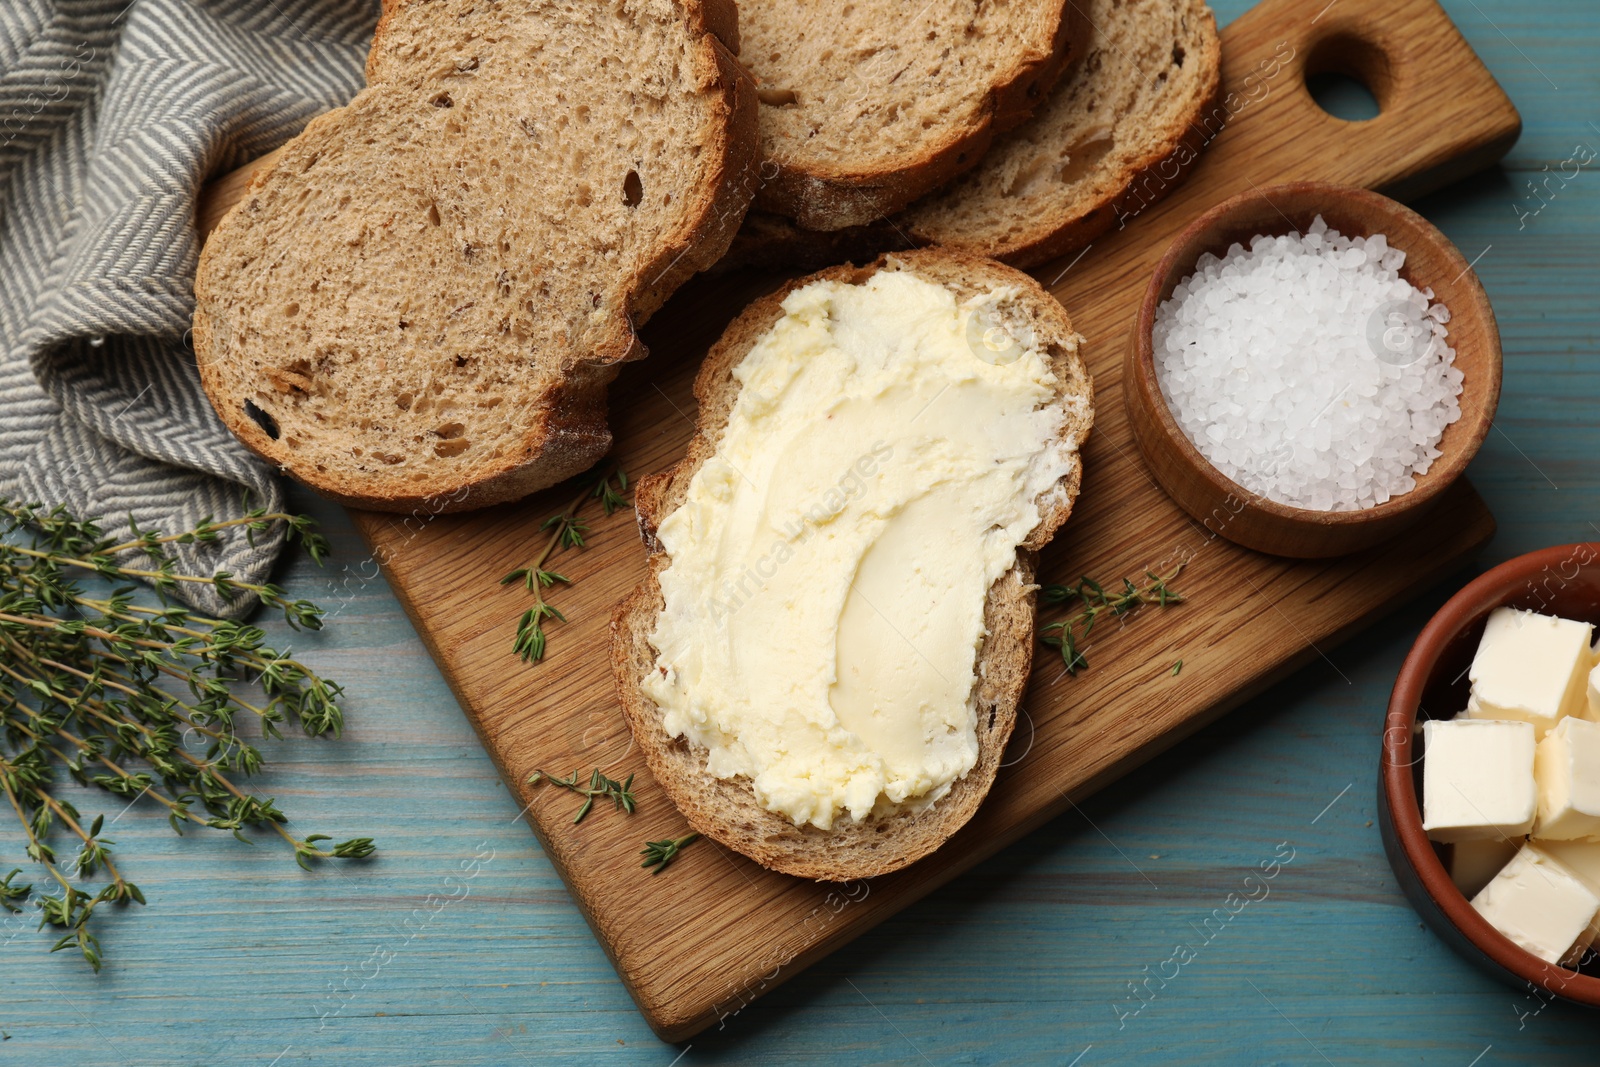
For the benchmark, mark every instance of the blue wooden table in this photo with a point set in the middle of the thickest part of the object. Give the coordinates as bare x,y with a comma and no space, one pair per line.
458,945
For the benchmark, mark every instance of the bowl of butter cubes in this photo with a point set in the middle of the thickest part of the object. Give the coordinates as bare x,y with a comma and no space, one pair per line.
1490,779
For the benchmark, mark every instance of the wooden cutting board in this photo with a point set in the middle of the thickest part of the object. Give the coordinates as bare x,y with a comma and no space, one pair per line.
697,944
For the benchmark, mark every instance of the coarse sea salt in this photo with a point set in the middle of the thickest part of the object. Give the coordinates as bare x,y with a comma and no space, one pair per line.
1307,370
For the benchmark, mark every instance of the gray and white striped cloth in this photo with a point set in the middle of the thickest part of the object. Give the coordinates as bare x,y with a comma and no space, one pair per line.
112,114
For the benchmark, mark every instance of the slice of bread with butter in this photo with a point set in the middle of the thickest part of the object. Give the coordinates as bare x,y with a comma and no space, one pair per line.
824,663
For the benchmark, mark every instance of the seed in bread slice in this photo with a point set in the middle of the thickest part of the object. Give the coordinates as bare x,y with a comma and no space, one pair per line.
1118,133
888,837
866,107
422,302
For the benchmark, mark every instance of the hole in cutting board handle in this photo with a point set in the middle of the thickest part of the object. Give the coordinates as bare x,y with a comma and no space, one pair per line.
1349,78
1343,97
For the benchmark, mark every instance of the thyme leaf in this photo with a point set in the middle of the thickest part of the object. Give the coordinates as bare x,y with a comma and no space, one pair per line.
659,854
619,793
1094,602
567,530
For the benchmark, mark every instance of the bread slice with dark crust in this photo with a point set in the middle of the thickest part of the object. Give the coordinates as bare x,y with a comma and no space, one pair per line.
1120,130
867,106
726,809
422,302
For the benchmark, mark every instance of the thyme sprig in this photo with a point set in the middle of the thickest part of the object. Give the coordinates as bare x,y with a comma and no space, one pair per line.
567,530
121,695
1068,634
619,793
659,854
64,543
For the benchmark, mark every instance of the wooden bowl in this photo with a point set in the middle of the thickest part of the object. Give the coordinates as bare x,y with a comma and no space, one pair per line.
1224,506
1565,581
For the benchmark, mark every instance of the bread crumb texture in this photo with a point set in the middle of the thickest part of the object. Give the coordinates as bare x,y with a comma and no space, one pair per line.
1152,66
866,106
429,291
847,85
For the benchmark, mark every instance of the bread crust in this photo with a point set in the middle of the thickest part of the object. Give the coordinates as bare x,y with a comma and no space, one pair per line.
726,809
772,241
768,241
568,432
1056,236
833,198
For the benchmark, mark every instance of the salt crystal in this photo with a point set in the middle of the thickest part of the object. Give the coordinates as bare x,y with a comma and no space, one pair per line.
1307,370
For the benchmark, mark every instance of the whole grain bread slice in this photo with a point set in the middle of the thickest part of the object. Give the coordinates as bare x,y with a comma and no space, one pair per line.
1119,131
422,302
726,809
867,105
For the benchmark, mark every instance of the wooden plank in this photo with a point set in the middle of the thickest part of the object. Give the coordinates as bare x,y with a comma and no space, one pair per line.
1249,619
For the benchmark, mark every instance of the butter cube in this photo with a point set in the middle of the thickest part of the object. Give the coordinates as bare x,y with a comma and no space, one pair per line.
1477,779
1582,858
1540,905
1594,694
1531,667
1566,766
1473,864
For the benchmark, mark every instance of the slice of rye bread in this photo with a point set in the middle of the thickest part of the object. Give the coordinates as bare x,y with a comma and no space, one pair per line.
422,302
863,111
726,809
1117,133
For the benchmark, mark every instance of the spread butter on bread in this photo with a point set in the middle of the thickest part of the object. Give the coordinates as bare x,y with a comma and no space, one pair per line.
825,661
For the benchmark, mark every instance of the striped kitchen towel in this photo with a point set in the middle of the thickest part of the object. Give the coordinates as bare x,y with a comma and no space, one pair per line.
112,115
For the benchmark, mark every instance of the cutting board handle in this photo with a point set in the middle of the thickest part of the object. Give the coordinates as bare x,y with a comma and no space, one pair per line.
1441,115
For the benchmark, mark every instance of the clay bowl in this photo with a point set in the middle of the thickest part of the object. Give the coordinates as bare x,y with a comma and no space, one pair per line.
1223,505
1564,581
